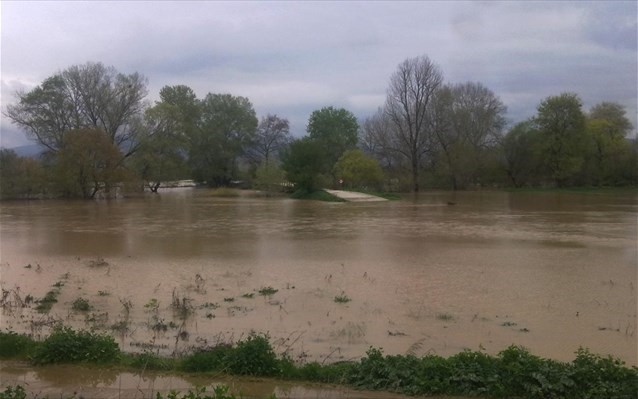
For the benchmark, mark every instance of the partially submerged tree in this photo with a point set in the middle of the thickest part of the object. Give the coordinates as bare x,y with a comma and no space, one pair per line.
335,131
20,177
411,91
272,136
467,121
89,96
87,162
561,126
169,126
226,129
303,161
521,148
357,170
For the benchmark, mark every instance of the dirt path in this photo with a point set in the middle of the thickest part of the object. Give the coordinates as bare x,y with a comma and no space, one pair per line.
352,196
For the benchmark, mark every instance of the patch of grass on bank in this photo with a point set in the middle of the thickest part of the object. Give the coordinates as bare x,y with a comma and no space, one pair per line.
318,195
514,372
14,345
383,194
66,345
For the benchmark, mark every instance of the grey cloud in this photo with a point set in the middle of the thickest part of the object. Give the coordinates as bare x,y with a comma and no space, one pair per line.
291,58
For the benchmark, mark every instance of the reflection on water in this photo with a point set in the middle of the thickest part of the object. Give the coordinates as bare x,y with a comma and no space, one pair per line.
550,271
102,382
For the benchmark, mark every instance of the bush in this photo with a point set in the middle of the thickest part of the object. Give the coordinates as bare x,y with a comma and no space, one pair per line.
211,359
11,392
66,345
14,345
253,356
81,305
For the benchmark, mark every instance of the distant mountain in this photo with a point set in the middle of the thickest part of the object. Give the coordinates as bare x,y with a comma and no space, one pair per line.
31,151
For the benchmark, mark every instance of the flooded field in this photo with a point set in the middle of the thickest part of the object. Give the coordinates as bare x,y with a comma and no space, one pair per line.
437,274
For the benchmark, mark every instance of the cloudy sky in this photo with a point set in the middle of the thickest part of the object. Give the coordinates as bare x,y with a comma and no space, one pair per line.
291,58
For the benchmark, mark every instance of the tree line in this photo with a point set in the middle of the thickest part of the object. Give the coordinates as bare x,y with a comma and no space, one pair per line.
100,133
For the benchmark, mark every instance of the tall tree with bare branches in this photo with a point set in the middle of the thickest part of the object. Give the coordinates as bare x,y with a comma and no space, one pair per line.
412,89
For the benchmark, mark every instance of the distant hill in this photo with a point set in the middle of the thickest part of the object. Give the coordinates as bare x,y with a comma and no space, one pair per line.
31,151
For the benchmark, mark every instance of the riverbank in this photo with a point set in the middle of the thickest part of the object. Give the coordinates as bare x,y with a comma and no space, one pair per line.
512,373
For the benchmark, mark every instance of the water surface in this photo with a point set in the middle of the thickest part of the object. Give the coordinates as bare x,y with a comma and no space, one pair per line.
438,274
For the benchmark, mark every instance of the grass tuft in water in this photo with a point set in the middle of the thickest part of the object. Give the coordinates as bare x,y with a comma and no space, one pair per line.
268,291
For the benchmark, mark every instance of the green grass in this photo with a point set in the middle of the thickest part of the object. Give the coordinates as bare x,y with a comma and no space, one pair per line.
81,305
45,304
268,291
343,298
444,317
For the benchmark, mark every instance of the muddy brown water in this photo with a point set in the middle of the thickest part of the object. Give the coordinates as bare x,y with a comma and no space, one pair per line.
437,274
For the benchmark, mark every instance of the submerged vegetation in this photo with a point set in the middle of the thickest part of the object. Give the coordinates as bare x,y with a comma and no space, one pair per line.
514,372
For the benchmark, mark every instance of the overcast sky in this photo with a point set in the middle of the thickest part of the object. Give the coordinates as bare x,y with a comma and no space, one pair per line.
291,58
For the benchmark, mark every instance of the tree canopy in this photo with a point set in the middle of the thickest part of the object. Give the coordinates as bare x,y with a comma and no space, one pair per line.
90,96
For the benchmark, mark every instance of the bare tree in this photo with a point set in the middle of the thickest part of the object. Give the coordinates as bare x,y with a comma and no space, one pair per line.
468,120
412,88
375,139
83,96
273,134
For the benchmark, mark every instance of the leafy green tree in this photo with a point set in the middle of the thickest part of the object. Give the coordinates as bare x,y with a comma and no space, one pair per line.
521,154
335,130
87,162
615,115
90,96
357,170
303,161
225,131
269,178
561,126
609,154
160,158
20,177
169,124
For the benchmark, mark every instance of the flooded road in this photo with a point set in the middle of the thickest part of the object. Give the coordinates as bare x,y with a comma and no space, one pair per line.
438,274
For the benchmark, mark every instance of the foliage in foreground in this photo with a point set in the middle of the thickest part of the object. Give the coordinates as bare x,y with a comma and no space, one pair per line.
513,373
219,392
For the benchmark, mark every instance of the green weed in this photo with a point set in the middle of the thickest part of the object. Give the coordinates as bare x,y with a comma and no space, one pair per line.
81,305
444,317
268,291
343,298
14,345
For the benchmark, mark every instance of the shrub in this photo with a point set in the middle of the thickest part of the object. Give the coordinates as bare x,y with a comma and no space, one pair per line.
11,392
81,305
267,291
66,345
343,298
253,356
211,359
14,345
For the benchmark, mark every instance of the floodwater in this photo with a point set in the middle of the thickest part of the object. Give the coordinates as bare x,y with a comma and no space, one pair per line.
437,274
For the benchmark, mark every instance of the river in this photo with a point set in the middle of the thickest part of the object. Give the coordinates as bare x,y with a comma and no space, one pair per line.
440,273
